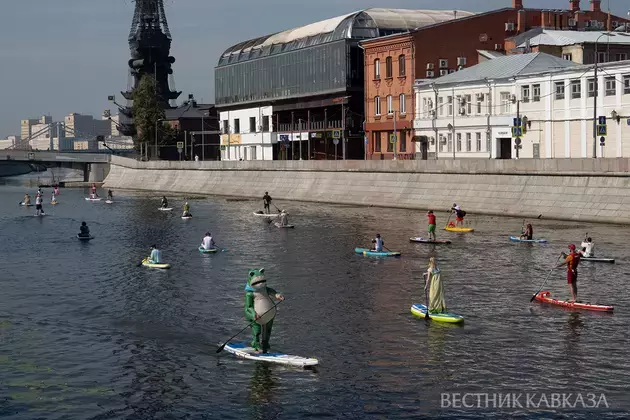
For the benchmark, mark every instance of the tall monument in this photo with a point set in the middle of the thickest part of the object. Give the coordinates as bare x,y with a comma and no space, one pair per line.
150,44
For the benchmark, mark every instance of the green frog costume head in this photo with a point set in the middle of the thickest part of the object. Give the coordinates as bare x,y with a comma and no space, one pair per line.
259,307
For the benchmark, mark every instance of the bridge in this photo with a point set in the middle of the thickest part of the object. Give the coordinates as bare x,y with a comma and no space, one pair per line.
95,166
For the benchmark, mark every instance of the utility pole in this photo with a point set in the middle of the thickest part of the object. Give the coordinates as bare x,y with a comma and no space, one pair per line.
395,138
308,134
326,133
300,125
435,115
291,140
453,109
343,130
203,146
595,105
518,119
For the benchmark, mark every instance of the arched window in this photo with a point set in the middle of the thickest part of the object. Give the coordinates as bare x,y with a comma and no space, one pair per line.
401,65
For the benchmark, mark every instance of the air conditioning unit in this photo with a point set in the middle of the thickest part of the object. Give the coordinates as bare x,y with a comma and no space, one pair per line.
443,72
572,22
461,61
430,73
430,66
480,96
443,64
510,27
460,68
498,47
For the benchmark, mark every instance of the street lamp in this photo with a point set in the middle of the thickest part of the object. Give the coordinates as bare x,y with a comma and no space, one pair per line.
595,96
203,147
156,136
300,124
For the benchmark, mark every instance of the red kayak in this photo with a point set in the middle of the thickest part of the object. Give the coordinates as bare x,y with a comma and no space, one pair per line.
545,296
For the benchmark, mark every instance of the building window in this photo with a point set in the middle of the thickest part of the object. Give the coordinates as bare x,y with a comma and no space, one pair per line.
559,90
468,142
388,68
377,105
402,139
601,57
450,142
226,127
568,57
449,110
479,103
441,106
377,69
442,141
376,136
252,124
621,57
468,104
611,86
390,105
237,125
390,145
266,123
576,89
478,141
459,142
626,85
401,65
535,93
525,93
591,88
403,104
506,102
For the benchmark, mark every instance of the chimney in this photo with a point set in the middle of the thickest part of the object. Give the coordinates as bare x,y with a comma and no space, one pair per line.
575,5
596,5
521,22
517,4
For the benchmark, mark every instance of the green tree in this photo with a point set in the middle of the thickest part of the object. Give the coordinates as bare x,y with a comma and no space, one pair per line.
147,111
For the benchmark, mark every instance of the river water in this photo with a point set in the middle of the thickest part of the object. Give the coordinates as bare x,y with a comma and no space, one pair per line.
86,334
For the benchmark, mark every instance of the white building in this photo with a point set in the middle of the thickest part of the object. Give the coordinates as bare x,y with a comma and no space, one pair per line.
247,134
475,109
10,141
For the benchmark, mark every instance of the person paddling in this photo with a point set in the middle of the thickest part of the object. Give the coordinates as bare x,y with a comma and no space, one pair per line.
164,202
53,199
84,230
267,202
587,248
27,200
110,195
38,206
186,210
378,243
56,189
207,242
572,260
283,218
94,194
459,215
156,255
433,281
431,221
529,232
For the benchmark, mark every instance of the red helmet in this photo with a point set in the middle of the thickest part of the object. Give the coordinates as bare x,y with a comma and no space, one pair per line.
572,247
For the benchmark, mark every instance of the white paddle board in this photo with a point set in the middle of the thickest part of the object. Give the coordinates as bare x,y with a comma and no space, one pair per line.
109,201
165,208
92,199
244,351
265,214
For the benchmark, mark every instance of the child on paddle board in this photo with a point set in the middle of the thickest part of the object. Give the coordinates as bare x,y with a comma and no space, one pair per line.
587,248
529,232
459,215
378,243
431,221
433,281
156,255
572,261
267,201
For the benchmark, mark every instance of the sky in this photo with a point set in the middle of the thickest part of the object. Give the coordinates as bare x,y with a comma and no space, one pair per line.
63,56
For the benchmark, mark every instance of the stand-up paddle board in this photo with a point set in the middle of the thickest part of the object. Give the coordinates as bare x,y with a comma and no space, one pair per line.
109,202
545,296
261,214
207,251
165,208
595,259
39,215
53,202
420,310
537,241
370,253
278,225
186,217
244,351
422,240
146,263
26,205
85,238
459,229
92,199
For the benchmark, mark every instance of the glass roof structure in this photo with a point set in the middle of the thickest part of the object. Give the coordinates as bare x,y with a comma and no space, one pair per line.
364,24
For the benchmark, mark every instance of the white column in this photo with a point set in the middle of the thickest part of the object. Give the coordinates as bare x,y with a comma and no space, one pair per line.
546,92
585,115
618,94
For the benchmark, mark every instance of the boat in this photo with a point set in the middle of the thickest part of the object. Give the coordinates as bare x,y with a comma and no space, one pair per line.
260,213
207,251
278,225
420,310
85,238
538,241
545,296
146,263
596,259
165,208
244,351
370,253
421,240
458,229
186,217
92,199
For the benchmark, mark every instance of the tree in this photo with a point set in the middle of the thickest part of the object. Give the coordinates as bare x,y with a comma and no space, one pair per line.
147,111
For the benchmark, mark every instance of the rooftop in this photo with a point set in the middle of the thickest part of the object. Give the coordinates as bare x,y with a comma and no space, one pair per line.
363,24
536,37
505,68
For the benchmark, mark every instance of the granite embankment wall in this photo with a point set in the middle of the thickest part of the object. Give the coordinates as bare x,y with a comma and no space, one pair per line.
594,190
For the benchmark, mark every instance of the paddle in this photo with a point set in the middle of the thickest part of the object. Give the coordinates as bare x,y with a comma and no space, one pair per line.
426,295
220,349
546,278
449,217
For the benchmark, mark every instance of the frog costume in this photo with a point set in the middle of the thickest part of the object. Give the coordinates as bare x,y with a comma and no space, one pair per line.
258,304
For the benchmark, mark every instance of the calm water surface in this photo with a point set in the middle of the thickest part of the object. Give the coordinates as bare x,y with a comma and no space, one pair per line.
86,334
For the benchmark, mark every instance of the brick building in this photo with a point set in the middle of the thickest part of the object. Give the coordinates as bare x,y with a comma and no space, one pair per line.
437,50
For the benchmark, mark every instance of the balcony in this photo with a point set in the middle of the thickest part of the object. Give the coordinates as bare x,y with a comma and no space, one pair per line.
313,126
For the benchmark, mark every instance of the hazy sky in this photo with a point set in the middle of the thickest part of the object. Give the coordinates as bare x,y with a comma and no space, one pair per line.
62,56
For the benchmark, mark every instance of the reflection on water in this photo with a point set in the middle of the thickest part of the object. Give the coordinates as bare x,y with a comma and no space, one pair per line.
87,333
